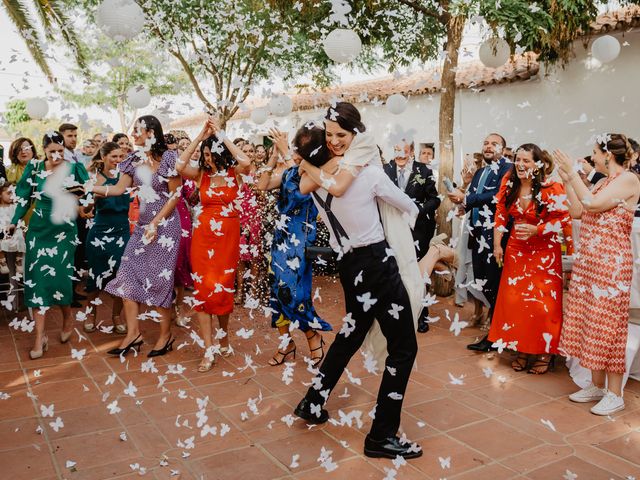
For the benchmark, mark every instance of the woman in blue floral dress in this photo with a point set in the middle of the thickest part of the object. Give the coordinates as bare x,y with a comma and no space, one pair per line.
295,229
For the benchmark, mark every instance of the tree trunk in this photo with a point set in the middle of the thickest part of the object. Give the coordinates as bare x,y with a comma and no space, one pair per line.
121,115
455,26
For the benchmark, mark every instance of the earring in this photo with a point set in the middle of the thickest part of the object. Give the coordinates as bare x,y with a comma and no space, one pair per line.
536,171
606,163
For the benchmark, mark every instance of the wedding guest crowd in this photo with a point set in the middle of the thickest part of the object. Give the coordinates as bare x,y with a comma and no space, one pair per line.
178,227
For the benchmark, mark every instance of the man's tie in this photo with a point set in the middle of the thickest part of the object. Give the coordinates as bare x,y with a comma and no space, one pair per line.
401,180
475,213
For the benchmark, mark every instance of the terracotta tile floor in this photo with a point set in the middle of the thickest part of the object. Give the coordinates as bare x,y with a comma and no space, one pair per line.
84,419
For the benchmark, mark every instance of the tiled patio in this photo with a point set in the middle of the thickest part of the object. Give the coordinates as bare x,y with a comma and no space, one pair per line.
98,418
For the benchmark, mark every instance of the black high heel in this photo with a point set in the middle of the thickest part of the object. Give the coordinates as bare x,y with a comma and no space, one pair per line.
135,345
163,351
274,362
316,361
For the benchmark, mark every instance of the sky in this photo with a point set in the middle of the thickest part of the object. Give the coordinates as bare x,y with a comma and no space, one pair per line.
20,78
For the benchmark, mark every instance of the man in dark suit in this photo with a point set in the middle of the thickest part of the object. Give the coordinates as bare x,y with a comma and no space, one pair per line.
479,202
416,180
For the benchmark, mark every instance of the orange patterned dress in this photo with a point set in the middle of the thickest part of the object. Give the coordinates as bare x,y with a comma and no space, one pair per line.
597,311
215,246
528,312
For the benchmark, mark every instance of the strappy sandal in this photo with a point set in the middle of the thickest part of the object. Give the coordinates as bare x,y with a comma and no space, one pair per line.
546,364
206,365
89,324
274,362
316,360
517,363
119,328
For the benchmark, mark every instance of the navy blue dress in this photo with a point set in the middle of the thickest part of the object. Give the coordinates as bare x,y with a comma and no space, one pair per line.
294,230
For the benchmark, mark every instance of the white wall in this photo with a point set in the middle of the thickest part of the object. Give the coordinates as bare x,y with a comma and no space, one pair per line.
563,110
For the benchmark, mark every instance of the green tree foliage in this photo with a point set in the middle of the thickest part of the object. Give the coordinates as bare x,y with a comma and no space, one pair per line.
15,114
115,67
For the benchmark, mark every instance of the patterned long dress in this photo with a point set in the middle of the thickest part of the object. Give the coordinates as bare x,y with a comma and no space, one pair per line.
183,264
295,230
215,250
597,311
528,311
146,273
51,243
250,221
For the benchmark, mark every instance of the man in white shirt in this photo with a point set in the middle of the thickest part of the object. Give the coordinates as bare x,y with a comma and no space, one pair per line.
373,289
70,134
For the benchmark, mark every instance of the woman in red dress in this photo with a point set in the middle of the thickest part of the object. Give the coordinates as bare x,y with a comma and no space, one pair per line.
528,313
215,247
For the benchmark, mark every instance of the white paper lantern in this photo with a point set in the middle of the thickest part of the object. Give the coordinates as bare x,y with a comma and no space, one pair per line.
397,103
281,106
259,115
605,49
120,19
342,45
37,108
138,97
494,52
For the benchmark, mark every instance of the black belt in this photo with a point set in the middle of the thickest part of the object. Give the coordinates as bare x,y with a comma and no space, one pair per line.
380,246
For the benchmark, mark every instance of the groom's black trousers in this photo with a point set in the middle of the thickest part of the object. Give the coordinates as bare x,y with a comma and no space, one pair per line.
380,277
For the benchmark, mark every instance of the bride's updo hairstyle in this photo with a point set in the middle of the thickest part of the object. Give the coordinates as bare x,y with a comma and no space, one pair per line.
347,116
619,147
311,145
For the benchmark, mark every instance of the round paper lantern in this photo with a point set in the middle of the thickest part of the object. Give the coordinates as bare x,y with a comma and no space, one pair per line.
120,19
37,108
494,52
397,103
342,45
138,97
605,49
281,106
259,115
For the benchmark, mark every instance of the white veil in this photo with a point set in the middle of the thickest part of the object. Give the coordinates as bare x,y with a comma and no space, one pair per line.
364,151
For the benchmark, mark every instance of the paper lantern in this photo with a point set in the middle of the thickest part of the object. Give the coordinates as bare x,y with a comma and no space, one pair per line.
37,108
138,97
605,49
120,19
259,115
397,103
281,106
494,52
342,45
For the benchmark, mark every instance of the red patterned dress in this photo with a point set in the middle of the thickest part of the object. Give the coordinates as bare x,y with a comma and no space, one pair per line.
528,312
597,311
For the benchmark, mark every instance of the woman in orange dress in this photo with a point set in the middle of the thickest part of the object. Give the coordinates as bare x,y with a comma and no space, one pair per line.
597,313
215,246
528,312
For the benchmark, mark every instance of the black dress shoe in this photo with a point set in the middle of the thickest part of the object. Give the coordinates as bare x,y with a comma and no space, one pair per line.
303,410
135,345
390,448
423,326
483,345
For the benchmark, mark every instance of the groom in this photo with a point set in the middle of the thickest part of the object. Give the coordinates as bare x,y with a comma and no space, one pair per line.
373,289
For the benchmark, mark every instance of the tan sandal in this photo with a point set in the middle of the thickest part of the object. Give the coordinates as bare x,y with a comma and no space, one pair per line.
206,365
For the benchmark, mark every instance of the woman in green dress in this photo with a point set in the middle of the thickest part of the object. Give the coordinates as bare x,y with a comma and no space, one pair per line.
51,235
108,235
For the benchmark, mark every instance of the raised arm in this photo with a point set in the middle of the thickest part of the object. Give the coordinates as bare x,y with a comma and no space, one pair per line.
271,175
622,190
336,182
183,165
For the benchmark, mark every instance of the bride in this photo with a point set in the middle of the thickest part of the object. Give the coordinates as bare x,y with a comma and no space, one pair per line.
352,150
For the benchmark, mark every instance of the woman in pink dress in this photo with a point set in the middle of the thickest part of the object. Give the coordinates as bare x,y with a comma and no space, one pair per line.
250,230
597,311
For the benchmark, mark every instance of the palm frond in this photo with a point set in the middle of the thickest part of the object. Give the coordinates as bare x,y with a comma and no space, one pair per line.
18,14
52,15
